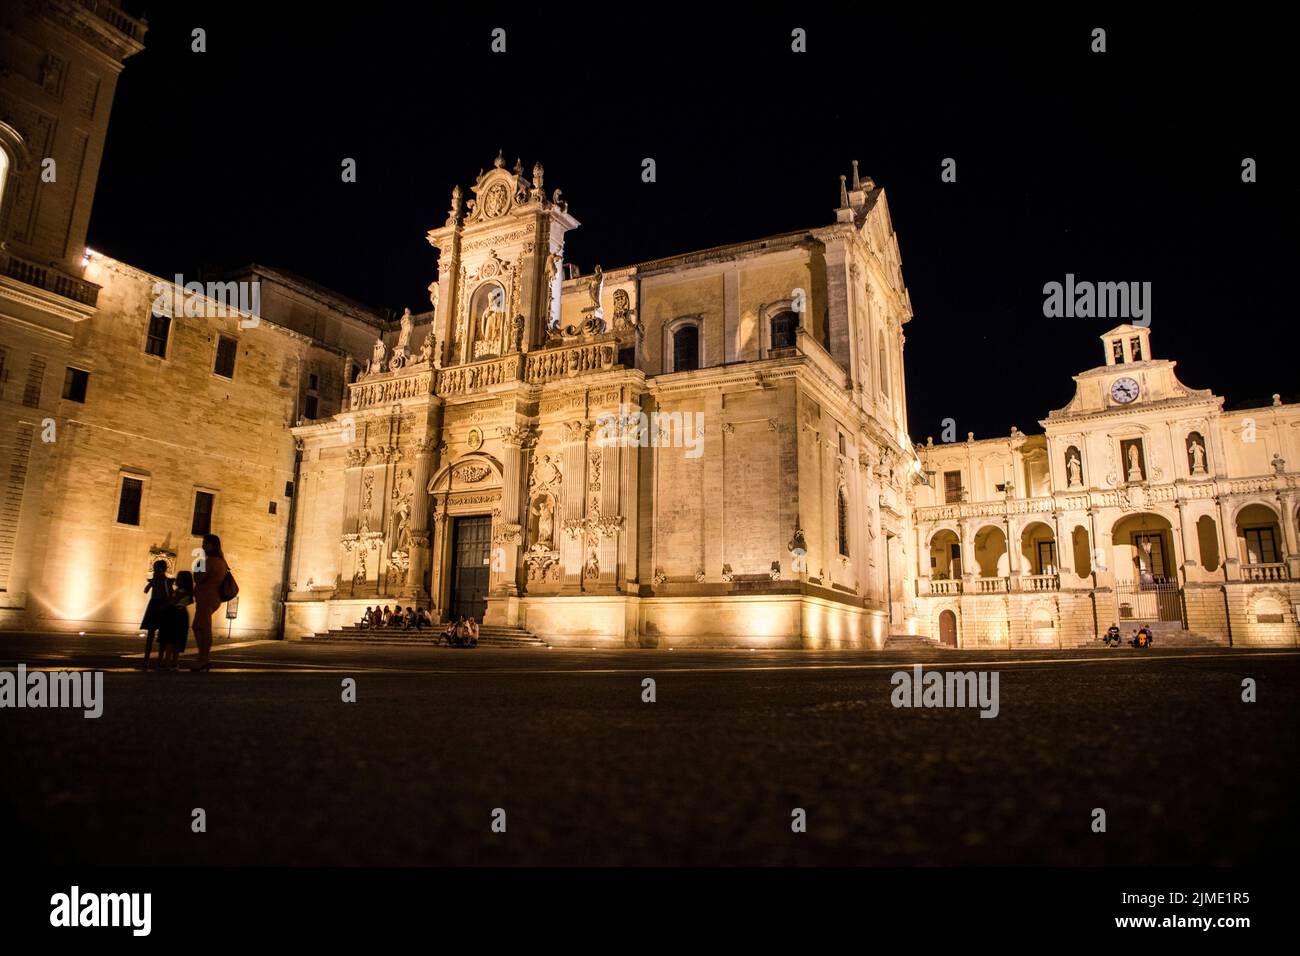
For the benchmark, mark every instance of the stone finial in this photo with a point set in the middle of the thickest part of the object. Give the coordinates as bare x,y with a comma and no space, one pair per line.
454,212
857,183
1277,399
929,441
537,175
844,194
500,160
970,436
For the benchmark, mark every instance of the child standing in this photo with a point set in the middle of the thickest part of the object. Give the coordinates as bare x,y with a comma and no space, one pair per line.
159,589
176,622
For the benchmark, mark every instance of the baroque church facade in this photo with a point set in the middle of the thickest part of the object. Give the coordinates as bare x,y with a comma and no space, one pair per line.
706,449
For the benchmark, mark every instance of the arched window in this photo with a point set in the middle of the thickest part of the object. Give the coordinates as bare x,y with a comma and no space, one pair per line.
4,174
843,523
686,348
783,330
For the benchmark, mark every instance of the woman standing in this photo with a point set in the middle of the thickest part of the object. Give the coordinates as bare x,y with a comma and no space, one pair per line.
207,597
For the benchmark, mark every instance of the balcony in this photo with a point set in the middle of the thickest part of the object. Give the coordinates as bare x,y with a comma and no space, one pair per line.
1040,582
945,587
1264,572
48,278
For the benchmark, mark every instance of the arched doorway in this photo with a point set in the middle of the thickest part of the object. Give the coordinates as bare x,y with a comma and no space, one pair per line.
1146,572
948,629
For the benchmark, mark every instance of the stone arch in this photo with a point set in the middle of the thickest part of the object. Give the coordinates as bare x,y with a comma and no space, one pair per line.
1142,545
991,556
939,549
444,481
1258,529
1035,559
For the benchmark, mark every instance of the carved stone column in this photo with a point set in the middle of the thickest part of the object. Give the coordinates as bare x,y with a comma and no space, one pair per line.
508,534
574,543
419,520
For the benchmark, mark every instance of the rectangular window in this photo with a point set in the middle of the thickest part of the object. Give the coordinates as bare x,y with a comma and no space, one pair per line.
75,381
35,382
311,382
288,489
1046,557
843,446
160,327
202,523
311,407
128,501
225,366
1261,547
951,487
1135,348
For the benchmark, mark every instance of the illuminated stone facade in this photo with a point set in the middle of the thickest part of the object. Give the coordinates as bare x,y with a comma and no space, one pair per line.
1143,502
710,448
706,449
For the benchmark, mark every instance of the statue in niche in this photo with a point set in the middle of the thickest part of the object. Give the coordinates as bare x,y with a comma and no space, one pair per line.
402,526
490,323
1134,466
1075,470
545,510
1197,452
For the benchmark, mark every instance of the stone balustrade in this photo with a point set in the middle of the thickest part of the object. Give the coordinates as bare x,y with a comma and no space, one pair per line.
387,388
548,365
463,379
1264,572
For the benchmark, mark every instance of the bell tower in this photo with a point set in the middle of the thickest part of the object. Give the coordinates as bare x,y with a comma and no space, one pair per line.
499,265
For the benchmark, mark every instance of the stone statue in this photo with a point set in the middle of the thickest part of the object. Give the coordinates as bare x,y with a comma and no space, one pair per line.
404,337
377,358
1279,464
546,523
1134,468
553,280
489,324
426,350
1198,456
433,294
1076,472
596,289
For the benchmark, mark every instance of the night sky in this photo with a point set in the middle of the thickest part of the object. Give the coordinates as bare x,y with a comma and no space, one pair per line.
1123,166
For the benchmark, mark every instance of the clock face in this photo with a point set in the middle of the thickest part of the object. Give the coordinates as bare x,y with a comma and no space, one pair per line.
1124,390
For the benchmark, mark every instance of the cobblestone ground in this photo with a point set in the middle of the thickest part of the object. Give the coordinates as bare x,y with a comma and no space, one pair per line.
709,773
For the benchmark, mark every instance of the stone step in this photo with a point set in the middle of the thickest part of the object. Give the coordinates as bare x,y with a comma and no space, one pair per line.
905,642
494,636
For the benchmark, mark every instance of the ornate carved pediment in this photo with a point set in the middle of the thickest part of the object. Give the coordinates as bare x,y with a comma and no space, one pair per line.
471,472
